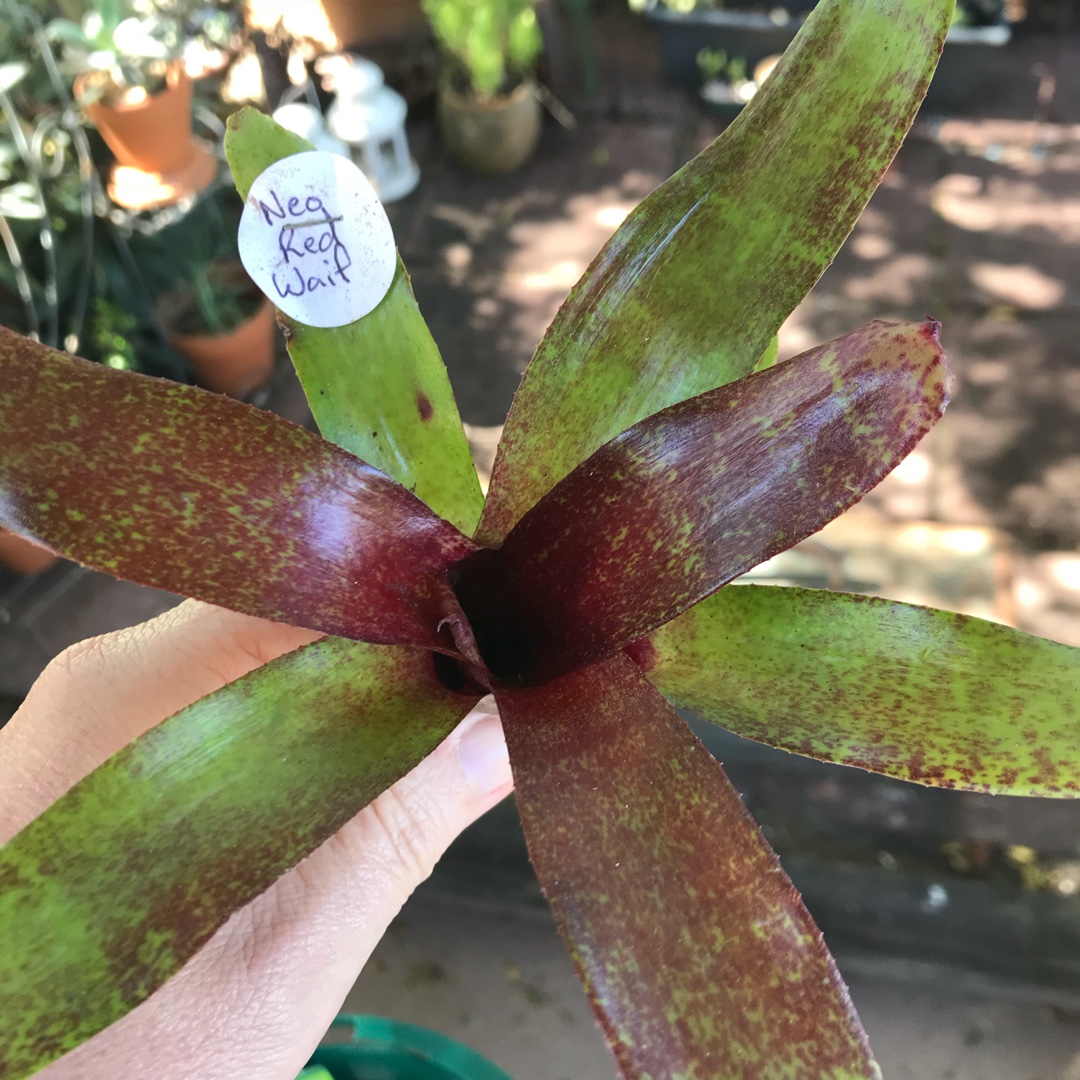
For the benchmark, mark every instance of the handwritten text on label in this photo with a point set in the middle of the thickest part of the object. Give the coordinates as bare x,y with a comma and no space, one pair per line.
316,239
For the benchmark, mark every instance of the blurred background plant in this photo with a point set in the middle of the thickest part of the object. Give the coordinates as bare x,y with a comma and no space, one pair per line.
194,268
69,276
715,64
123,45
491,45
117,48
47,219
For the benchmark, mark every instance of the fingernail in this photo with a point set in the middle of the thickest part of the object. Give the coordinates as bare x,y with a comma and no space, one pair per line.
483,754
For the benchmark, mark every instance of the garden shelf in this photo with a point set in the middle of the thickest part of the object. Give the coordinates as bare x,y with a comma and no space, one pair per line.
753,36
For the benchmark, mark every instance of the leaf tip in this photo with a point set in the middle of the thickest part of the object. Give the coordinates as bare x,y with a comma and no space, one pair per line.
931,329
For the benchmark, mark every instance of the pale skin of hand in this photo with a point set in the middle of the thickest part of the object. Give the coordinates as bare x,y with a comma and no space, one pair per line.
255,1001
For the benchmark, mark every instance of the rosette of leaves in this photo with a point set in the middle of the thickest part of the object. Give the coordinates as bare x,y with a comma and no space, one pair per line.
645,464
118,47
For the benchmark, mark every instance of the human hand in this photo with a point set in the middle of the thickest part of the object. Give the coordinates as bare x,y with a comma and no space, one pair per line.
255,1001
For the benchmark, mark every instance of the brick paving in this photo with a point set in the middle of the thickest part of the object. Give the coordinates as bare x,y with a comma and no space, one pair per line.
977,223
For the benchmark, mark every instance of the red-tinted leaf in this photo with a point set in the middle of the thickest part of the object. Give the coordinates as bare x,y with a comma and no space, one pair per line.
690,498
698,956
201,495
685,296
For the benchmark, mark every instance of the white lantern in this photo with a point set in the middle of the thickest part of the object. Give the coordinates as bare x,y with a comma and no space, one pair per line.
370,117
307,122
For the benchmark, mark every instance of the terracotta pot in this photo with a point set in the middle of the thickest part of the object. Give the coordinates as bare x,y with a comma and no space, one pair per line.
236,362
24,556
152,133
367,22
496,135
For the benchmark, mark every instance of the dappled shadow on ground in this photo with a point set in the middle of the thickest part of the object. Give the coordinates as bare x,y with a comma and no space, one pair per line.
493,258
1016,428
985,237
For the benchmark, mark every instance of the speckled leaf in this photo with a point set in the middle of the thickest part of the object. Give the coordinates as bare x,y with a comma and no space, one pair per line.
377,386
115,886
914,693
699,958
692,497
253,142
688,292
196,493
771,354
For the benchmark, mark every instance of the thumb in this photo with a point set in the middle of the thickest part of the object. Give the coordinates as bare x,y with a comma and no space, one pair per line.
400,836
256,1000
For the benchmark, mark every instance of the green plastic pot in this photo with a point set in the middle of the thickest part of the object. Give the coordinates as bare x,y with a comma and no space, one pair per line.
381,1049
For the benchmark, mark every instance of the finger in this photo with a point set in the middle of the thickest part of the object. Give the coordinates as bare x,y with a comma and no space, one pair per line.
256,1000
268,984
101,694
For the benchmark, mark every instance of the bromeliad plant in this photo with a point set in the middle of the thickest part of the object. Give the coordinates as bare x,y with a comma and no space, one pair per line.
645,463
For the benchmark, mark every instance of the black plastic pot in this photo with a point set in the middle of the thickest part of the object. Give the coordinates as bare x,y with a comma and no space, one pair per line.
964,73
961,76
745,34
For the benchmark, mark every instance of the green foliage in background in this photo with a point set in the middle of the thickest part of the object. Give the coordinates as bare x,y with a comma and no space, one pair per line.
491,42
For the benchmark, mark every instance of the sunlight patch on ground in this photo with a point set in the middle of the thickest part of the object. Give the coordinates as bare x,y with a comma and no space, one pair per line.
1018,284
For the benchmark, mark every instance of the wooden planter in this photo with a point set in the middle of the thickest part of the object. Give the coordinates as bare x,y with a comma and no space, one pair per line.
236,362
492,136
24,556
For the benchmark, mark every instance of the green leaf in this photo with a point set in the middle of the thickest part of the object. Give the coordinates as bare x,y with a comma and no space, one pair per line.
20,201
914,693
107,894
695,949
688,292
697,494
253,142
771,354
378,386
67,32
196,493
111,13
11,74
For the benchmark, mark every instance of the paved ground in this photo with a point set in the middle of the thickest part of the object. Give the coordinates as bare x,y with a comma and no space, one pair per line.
499,980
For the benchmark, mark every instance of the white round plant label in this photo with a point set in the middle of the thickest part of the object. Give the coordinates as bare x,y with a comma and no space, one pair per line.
315,238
